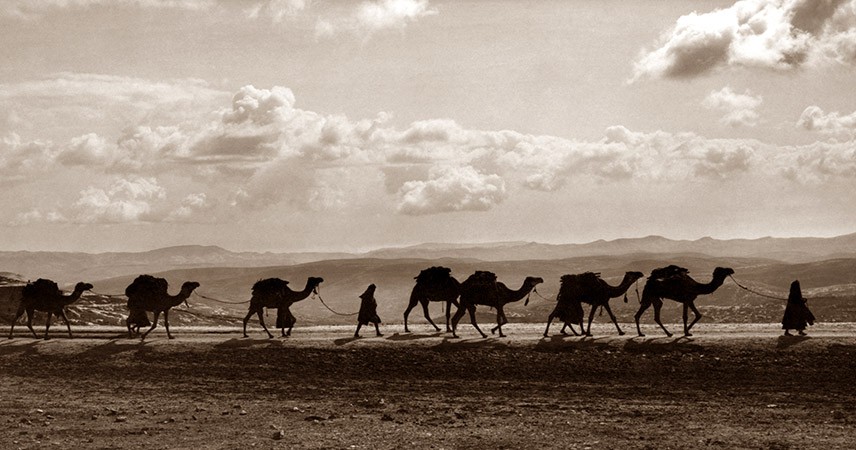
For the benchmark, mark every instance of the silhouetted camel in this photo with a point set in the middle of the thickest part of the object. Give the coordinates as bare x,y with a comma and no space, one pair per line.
44,295
148,293
481,288
434,284
368,311
675,284
275,293
591,289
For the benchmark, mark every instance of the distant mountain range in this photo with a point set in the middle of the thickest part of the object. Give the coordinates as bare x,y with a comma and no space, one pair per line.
70,267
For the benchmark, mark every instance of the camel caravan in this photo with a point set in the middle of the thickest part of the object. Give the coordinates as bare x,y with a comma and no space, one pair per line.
148,294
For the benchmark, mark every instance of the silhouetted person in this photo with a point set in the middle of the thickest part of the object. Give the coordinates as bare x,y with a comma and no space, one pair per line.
797,314
368,311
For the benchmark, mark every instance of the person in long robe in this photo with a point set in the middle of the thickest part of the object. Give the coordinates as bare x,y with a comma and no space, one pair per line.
368,311
797,315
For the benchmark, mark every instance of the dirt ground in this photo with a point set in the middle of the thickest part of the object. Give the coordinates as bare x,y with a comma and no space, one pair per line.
730,386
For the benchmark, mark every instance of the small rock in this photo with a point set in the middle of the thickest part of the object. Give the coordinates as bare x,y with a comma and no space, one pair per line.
40,411
121,419
243,413
49,417
314,418
279,435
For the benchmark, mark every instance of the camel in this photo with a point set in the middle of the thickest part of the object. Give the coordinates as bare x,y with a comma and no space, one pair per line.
481,288
434,284
591,289
148,293
275,293
674,283
44,295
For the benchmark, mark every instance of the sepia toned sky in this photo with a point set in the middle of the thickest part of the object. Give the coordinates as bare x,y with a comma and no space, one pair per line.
291,125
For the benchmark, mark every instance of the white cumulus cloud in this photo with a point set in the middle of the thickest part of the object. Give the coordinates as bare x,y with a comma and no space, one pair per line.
739,109
452,189
376,15
813,118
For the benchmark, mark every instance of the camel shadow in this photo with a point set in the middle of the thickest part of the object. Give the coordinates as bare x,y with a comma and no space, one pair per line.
658,345
412,336
561,342
11,347
115,347
247,343
789,341
451,343
347,340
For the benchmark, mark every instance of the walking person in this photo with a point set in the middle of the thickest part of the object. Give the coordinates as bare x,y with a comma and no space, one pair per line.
368,311
797,315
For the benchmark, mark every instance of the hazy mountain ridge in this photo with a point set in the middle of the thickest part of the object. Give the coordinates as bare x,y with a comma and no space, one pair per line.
70,267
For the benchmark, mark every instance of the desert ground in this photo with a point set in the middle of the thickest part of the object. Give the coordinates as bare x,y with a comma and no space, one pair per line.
729,386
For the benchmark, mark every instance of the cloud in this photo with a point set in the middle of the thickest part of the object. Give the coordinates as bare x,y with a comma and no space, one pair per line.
739,109
814,118
127,200
451,189
19,158
771,34
374,16
27,9
276,10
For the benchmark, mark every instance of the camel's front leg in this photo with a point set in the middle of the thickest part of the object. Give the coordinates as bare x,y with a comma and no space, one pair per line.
166,324
448,315
697,317
262,322
614,320
48,325
500,321
645,305
65,319
549,321
154,325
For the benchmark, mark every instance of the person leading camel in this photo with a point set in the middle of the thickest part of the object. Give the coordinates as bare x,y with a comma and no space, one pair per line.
797,315
368,311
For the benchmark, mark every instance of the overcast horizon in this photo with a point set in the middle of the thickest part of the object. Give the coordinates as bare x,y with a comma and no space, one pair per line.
300,125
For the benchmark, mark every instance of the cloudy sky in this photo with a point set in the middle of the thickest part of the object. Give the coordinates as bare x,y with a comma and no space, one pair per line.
287,125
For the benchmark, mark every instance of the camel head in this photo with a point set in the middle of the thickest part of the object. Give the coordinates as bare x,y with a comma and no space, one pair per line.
187,288
80,287
722,272
313,282
530,283
633,276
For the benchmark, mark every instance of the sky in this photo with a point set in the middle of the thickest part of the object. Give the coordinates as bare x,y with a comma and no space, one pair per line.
311,125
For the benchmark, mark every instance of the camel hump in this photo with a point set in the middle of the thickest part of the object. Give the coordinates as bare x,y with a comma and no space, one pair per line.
479,279
434,275
147,285
668,272
40,288
581,278
269,286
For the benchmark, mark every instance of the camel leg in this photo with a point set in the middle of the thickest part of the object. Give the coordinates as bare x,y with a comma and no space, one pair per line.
657,305
247,319
48,325
571,327
262,322
357,333
685,311
154,325
291,321
644,306
377,329
472,311
30,322
448,314
500,321
428,316
65,319
614,320
166,324
410,306
17,316
128,324
591,317
549,321
697,317
457,318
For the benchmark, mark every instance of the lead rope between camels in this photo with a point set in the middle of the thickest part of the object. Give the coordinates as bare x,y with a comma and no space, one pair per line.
754,292
316,293
220,301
